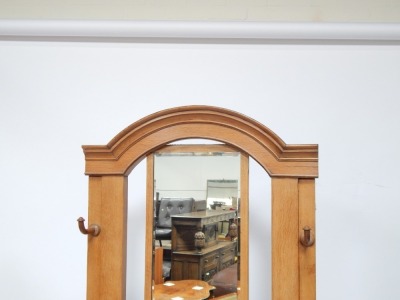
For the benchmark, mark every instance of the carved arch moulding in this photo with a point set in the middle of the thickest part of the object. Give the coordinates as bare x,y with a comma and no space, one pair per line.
132,144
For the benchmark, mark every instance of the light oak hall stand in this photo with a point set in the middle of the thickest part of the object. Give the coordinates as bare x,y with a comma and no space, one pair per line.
292,168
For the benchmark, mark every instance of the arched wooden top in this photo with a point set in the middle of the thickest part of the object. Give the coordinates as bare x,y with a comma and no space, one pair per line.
132,144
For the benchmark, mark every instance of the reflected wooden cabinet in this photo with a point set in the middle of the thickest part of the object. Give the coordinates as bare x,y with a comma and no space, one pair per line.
189,263
184,226
204,265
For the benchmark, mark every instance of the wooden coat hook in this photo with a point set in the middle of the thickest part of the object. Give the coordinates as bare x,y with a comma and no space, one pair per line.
307,238
93,229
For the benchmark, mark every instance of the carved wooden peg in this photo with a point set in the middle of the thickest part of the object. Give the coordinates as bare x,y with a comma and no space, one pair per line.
307,239
93,229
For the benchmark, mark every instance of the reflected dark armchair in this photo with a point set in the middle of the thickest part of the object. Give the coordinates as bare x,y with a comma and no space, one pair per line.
167,208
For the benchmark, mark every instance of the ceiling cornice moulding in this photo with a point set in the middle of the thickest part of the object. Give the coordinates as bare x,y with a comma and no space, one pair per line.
189,31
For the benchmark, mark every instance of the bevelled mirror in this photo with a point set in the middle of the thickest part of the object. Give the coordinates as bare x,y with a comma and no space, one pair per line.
197,194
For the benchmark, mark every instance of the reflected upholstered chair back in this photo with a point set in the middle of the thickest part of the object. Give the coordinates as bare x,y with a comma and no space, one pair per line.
169,207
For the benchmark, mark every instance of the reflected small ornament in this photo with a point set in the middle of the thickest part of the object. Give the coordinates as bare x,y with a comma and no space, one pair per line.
233,232
199,240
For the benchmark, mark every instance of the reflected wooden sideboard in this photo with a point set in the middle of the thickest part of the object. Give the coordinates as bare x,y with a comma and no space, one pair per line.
204,265
189,263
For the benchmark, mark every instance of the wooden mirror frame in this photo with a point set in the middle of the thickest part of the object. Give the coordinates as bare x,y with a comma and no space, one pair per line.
292,168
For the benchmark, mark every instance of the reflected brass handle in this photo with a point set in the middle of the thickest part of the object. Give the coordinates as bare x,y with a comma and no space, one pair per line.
93,229
307,239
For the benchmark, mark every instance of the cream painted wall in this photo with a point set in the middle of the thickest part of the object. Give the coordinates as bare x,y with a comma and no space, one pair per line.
206,10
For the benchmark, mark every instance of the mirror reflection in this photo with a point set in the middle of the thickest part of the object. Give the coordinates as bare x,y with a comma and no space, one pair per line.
197,219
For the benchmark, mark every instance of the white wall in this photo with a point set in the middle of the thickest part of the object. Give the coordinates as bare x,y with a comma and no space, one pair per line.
57,96
187,176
